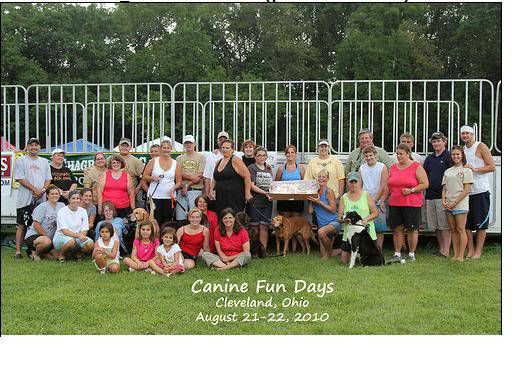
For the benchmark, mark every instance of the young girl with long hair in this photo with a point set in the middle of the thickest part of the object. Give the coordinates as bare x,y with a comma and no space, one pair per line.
106,250
144,247
168,259
456,184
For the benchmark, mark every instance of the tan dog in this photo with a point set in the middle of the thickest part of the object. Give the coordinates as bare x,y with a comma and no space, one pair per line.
140,214
288,227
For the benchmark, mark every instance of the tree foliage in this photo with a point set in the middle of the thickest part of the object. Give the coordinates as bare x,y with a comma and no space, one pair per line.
61,43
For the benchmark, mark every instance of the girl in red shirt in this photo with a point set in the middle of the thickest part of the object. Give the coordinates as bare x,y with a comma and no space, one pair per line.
193,238
209,218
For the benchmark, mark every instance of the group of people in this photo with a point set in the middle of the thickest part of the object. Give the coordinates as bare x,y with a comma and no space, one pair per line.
57,220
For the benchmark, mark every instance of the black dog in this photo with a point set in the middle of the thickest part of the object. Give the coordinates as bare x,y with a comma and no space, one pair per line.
257,249
360,242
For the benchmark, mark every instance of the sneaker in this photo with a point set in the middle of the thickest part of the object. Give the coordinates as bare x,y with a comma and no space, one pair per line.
102,271
130,269
148,270
396,258
153,272
18,255
168,275
412,257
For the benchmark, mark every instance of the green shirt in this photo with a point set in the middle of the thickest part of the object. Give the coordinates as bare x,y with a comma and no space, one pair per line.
360,206
356,158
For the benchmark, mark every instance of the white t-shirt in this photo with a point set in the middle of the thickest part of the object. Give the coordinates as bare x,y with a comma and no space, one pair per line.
110,246
75,221
36,171
169,255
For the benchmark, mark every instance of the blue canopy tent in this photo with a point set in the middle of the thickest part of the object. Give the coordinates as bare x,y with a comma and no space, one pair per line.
80,145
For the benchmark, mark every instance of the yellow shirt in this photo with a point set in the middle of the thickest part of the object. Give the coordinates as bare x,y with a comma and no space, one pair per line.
332,165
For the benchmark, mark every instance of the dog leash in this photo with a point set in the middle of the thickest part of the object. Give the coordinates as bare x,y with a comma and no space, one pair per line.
261,213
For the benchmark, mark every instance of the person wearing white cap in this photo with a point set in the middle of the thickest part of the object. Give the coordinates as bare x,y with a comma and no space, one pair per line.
480,161
62,177
33,174
331,164
356,157
211,160
192,167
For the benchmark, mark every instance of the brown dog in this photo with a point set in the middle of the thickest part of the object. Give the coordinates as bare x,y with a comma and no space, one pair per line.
288,227
139,215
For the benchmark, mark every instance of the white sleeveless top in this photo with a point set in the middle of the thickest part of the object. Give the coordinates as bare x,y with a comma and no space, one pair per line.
110,244
165,183
480,180
371,178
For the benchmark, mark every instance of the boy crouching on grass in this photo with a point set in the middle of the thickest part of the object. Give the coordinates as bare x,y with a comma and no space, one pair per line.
106,250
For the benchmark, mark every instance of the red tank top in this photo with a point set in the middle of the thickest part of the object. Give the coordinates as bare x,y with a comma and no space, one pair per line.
192,244
404,178
116,190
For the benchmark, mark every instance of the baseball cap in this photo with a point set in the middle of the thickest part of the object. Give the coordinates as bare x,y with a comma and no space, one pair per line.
223,134
125,140
57,150
467,128
189,138
353,176
324,142
437,136
33,140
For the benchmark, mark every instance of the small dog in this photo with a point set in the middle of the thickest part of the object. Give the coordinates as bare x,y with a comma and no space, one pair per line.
360,242
139,215
288,227
257,249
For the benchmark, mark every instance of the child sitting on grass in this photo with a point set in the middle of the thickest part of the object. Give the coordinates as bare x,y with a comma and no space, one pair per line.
168,259
144,247
106,250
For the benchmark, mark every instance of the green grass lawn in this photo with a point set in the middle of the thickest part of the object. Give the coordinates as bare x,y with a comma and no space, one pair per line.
430,296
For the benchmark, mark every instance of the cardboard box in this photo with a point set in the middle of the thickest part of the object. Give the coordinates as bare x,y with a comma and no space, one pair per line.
293,190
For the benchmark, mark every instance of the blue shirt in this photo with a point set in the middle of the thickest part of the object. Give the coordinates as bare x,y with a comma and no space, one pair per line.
435,167
323,216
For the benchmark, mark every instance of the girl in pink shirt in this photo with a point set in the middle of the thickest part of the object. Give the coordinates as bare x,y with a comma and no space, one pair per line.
144,247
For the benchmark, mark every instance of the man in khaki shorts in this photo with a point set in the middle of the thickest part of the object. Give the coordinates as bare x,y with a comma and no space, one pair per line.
435,164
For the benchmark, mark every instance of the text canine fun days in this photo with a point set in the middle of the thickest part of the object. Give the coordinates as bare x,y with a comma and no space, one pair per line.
263,286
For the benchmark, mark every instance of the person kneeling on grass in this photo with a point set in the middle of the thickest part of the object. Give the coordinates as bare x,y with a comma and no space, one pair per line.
39,235
168,259
106,250
193,238
232,243
72,227
144,247
325,207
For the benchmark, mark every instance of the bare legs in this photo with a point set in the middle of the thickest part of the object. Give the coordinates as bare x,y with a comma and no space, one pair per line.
459,237
444,238
475,250
325,240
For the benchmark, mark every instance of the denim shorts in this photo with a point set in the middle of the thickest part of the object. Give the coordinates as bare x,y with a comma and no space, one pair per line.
457,211
336,224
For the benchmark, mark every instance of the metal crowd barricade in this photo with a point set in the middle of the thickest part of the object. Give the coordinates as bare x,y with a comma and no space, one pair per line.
388,119
218,97
14,114
475,98
100,101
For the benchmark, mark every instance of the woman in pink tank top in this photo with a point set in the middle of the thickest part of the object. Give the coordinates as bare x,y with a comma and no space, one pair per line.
407,180
115,186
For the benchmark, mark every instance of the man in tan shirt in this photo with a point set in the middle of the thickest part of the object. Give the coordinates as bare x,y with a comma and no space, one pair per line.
192,167
134,167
